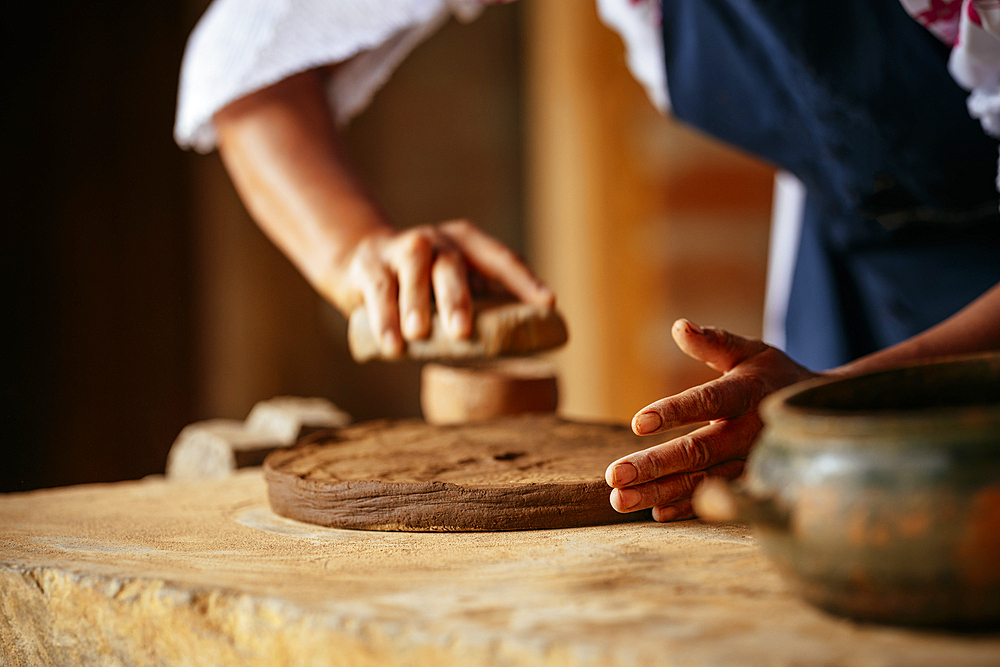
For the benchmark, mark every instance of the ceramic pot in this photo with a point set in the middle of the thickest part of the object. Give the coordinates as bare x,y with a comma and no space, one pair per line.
878,496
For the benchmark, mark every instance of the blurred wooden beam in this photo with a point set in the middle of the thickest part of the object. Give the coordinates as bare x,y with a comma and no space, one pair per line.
620,200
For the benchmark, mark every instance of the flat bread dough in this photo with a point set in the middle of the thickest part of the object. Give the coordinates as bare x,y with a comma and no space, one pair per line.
512,473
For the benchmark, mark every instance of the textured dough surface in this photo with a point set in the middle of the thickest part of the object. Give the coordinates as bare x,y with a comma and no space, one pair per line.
534,471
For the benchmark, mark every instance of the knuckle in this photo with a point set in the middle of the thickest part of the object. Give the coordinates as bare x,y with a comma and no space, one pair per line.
696,452
734,346
657,494
448,255
729,344
748,393
449,263
460,226
671,489
380,282
756,389
417,242
367,253
688,483
367,244
655,463
362,269
710,399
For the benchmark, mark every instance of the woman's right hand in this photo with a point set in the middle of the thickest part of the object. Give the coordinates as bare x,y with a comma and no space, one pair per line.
401,277
289,165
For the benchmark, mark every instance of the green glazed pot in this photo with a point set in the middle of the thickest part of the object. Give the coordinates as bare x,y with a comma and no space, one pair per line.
878,496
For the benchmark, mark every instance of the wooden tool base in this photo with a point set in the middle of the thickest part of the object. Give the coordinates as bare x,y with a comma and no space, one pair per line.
461,392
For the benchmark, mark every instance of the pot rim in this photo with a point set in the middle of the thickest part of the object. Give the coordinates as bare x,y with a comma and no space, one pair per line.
975,420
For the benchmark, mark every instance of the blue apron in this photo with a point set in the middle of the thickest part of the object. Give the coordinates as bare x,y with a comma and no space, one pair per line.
900,228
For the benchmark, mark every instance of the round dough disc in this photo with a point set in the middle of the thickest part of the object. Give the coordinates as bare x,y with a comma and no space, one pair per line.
513,473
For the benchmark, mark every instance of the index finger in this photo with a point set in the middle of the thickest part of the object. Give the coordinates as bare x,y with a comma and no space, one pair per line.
723,398
497,262
701,449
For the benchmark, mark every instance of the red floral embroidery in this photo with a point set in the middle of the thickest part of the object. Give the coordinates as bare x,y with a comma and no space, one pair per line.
939,11
974,15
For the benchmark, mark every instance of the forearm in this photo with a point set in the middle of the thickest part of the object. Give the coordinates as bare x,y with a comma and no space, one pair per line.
286,160
975,328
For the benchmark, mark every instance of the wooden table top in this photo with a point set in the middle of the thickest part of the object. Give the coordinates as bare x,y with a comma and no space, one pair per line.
157,572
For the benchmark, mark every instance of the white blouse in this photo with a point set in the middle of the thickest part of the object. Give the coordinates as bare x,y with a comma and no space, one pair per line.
240,46
972,29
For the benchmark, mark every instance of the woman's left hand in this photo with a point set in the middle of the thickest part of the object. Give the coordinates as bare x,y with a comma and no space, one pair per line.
664,476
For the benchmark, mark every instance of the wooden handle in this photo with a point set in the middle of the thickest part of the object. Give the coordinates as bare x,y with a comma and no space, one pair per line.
466,391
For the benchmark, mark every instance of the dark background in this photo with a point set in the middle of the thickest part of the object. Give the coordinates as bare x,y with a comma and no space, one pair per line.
140,296
98,244
143,298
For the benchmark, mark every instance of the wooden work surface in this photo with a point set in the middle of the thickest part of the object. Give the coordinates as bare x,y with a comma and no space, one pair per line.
202,573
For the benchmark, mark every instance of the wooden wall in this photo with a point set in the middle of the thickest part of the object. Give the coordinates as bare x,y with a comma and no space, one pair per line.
96,244
635,219
142,297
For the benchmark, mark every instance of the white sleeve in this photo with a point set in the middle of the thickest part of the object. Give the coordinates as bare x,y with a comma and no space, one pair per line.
639,24
240,46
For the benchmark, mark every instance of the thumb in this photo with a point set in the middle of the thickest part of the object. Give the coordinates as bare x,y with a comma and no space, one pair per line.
719,349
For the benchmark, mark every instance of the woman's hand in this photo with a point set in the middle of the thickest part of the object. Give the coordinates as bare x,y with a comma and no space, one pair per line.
290,167
664,476
399,276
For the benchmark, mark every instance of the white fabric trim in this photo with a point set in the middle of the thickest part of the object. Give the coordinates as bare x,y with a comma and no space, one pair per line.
240,46
638,22
975,60
934,17
786,228
972,29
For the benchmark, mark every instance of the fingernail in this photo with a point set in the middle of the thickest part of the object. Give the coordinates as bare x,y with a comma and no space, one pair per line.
413,322
623,473
629,498
693,328
647,422
668,513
